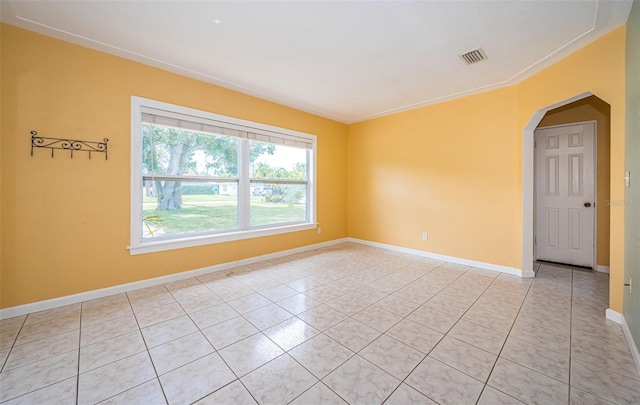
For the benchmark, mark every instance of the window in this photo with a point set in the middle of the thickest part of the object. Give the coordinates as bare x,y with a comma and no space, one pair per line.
201,178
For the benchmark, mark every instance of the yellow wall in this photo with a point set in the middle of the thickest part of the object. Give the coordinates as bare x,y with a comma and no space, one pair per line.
450,170
455,169
65,222
589,109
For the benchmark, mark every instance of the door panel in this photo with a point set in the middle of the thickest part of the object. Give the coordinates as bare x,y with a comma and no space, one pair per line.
565,174
575,175
575,229
553,162
553,229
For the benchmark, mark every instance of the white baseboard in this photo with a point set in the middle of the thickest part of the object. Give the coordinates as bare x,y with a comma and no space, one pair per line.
117,289
602,269
451,259
614,316
619,318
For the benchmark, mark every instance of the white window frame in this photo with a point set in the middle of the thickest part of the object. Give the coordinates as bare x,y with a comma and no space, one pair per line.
138,246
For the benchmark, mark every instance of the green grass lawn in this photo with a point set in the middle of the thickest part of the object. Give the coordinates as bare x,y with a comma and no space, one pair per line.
269,213
212,212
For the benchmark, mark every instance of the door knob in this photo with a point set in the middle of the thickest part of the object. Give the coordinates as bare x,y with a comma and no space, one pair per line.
587,204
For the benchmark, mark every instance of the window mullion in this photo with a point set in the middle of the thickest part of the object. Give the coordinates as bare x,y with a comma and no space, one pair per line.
244,193
189,178
310,202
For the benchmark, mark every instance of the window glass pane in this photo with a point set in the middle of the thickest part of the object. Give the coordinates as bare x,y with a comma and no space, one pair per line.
277,161
178,207
175,151
278,203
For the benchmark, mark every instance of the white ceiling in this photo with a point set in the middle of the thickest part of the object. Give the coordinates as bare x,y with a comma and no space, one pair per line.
345,60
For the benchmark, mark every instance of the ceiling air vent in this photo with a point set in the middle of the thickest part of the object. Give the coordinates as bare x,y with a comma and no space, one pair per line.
474,56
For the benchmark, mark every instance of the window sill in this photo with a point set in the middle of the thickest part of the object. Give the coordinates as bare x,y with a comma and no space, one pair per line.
159,246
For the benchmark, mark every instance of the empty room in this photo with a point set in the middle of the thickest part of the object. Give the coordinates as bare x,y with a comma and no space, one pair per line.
320,202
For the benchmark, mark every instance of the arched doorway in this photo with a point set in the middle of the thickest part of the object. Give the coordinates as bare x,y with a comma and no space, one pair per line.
582,107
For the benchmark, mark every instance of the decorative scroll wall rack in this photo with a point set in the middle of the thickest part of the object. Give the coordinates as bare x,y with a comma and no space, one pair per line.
72,145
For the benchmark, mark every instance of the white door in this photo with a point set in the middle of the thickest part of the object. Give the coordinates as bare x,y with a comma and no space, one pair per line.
565,194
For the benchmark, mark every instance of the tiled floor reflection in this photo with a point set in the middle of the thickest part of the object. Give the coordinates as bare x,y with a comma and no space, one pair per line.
348,324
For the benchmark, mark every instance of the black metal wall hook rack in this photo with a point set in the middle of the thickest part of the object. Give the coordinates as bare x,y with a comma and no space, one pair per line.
72,145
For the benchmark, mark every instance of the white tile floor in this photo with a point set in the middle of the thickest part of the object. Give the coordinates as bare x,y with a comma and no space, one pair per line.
346,324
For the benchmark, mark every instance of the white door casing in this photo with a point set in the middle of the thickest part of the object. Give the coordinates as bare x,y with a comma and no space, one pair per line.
565,194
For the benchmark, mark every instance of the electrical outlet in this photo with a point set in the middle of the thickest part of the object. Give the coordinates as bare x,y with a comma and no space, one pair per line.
425,236
319,230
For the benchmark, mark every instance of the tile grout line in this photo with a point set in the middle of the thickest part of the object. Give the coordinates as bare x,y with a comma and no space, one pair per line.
503,345
447,333
570,338
436,344
320,380
570,350
405,318
24,365
322,332
148,353
216,351
79,353
4,363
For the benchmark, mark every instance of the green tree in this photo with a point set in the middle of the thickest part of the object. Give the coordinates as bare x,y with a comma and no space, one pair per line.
278,191
299,171
264,170
170,151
